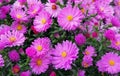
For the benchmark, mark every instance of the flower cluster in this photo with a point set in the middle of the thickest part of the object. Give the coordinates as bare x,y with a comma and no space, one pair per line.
59,37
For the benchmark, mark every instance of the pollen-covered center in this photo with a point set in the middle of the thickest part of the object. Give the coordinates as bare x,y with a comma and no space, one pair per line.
101,9
39,62
43,21
19,27
117,43
85,64
19,16
54,7
39,48
64,54
111,62
69,17
83,10
34,11
12,39
87,52
119,3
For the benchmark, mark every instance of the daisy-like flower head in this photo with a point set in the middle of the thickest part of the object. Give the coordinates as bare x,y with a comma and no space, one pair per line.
14,56
116,42
31,51
71,19
64,54
53,9
109,63
109,34
42,45
104,10
80,39
34,10
88,5
18,15
87,61
42,22
19,27
89,51
39,64
14,38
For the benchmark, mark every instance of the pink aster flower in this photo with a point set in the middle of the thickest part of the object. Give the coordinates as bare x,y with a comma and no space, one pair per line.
71,19
31,51
18,15
89,51
25,73
42,22
3,11
115,22
14,38
1,61
87,61
88,5
53,9
109,63
34,10
39,64
42,45
19,27
116,42
64,54
14,56
80,39
81,73
104,10
109,34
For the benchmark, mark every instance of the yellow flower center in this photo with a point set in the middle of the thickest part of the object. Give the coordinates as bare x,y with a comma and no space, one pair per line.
43,21
19,27
64,54
19,16
87,52
112,63
85,65
34,11
101,9
39,62
39,48
69,17
12,39
117,43
119,3
83,10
